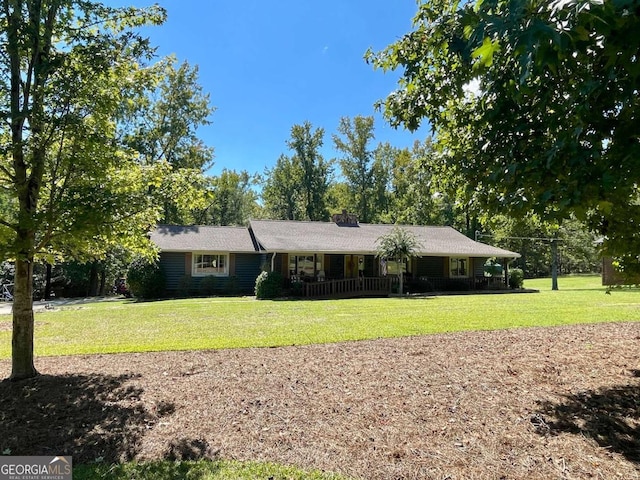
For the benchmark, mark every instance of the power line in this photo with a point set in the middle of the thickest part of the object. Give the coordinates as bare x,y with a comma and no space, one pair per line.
553,241
542,239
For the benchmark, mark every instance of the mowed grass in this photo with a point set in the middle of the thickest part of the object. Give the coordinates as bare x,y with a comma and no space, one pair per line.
200,470
213,323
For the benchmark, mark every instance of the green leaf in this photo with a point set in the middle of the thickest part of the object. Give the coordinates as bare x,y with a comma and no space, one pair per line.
484,54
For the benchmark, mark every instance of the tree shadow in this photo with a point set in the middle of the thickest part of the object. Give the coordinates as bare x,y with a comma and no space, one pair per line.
610,416
190,449
91,417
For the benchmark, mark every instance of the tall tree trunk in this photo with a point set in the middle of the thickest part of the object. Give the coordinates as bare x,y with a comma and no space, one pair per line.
554,265
103,280
47,285
93,280
22,365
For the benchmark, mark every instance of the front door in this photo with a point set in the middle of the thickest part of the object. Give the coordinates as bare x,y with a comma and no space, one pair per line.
353,264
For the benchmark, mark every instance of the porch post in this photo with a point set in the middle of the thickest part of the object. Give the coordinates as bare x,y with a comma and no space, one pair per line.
506,271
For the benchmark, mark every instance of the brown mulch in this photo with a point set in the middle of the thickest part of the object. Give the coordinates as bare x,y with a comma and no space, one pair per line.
537,403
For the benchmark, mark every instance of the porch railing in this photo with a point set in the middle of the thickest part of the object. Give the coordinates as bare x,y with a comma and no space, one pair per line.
347,287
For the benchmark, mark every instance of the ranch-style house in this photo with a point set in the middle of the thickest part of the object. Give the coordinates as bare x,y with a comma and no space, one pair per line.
325,259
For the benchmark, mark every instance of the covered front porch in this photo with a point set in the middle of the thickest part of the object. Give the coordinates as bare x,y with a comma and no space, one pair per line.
335,275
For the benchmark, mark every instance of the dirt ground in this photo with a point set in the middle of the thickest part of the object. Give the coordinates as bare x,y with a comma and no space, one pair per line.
537,403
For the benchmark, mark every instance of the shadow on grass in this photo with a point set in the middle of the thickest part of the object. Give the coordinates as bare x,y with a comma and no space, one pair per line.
610,416
91,417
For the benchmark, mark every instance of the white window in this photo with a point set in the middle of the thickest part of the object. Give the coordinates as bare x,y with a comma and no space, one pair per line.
393,266
302,265
210,264
458,267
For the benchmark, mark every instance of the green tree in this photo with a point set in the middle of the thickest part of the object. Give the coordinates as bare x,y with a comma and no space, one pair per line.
315,171
552,125
339,197
163,128
68,68
281,192
231,199
384,158
578,248
398,245
530,236
422,192
357,163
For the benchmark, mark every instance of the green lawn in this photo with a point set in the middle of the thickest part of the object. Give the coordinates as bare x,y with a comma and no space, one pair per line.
128,326
200,470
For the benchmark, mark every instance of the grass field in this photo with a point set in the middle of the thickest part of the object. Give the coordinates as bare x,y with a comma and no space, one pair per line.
197,470
213,323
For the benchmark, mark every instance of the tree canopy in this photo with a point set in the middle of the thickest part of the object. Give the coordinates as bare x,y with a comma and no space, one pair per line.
534,103
69,187
297,187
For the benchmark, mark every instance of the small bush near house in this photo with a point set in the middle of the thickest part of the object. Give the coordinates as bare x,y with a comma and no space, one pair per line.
184,286
268,285
456,285
208,285
419,285
231,286
296,288
516,278
146,279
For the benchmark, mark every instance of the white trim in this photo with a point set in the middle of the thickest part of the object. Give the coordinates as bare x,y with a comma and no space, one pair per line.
319,262
225,255
466,267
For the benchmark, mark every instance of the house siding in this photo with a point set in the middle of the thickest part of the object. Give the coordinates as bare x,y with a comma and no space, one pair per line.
247,269
430,267
174,264
478,266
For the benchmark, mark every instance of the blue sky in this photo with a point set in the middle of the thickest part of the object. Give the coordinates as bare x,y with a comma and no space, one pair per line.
270,65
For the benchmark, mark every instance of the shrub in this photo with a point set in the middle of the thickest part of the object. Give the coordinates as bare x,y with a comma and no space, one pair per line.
208,285
146,279
268,285
184,286
420,285
231,286
296,288
456,285
516,278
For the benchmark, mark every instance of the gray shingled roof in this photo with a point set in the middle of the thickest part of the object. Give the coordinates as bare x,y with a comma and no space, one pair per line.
328,237
173,238
315,237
